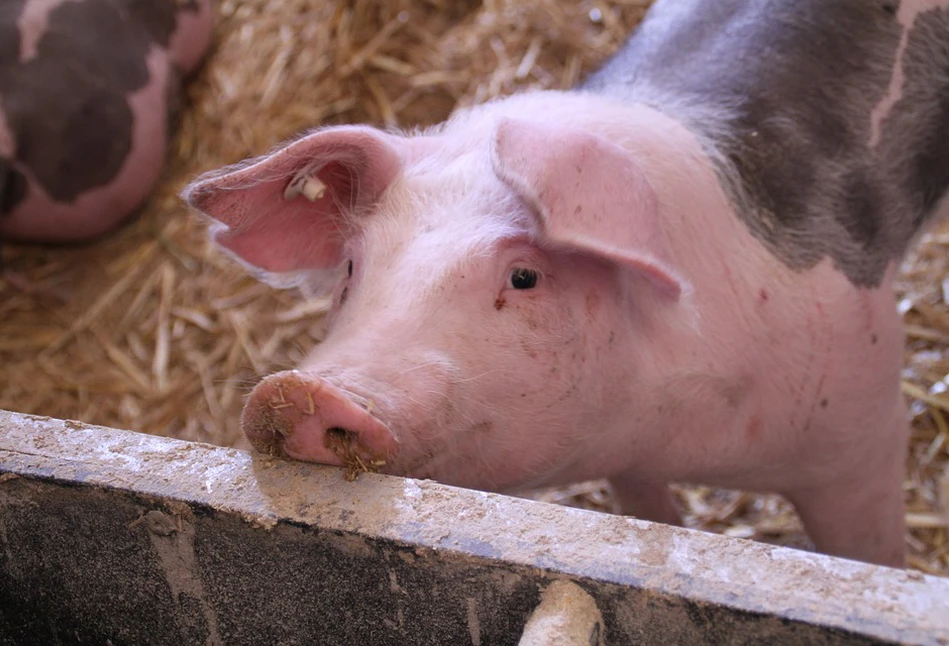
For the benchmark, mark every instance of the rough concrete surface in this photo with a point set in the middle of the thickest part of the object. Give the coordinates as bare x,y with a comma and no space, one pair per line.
110,536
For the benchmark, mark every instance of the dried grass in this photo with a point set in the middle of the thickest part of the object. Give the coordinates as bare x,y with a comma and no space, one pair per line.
149,329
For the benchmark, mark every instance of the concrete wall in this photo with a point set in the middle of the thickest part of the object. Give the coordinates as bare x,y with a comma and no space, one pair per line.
112,537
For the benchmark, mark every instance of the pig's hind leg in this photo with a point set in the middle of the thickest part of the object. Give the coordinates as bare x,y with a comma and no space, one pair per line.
859,514
645,500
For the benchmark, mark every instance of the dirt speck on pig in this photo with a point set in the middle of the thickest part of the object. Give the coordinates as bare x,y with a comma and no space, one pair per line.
88,89
679,271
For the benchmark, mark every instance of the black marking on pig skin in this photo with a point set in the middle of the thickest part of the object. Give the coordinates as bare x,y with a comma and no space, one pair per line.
71,140
105,46
158,17
67,107
13,186
10,11
928,52
800,80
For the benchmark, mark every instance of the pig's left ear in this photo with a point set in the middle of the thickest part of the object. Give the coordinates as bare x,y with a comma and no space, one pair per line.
590,195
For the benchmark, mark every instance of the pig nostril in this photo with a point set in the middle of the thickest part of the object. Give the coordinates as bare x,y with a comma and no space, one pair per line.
346,446
342,443
337,434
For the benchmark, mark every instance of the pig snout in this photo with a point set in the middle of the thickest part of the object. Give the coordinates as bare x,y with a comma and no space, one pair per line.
305,417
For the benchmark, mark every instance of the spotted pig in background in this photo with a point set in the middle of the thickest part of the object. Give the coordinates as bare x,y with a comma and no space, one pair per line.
87,90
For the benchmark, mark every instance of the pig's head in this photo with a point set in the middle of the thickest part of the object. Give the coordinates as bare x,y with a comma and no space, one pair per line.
484,296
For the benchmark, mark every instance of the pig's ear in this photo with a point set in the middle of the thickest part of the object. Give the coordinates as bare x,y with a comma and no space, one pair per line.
590,195
289,211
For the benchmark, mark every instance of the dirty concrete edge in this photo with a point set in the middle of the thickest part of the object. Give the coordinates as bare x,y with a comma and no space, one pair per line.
902,606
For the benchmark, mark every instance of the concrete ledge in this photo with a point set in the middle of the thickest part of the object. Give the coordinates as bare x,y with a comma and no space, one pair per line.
109,536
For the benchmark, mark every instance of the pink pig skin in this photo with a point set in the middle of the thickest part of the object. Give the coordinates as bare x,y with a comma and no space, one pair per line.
662,342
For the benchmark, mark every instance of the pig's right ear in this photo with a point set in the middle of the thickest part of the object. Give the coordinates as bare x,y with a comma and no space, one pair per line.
589,194
290,211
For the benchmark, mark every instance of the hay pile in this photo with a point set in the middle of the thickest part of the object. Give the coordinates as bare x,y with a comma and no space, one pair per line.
151,330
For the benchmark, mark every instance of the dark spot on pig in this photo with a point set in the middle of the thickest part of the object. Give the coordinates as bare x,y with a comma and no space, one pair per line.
578,210
13,186
801,83
861,201
927,59
76,141
611,339
188,5
873,339
75,33
499,303
158,18
10,11
824,403
763,294
523,394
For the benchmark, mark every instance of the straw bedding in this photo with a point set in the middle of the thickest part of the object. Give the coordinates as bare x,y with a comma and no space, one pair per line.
149,329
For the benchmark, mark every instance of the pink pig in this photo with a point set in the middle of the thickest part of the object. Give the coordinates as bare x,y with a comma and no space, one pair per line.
650,278
88,92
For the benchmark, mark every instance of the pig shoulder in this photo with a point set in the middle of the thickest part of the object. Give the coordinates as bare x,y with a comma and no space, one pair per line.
832,139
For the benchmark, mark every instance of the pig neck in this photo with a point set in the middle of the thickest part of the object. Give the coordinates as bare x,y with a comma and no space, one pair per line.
697,370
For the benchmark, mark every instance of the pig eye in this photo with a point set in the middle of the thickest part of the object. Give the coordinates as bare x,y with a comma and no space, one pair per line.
349,269
523,278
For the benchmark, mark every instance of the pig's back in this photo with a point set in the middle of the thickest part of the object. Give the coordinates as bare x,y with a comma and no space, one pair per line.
819,161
